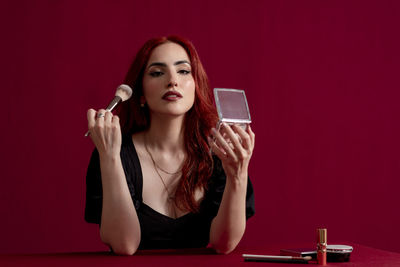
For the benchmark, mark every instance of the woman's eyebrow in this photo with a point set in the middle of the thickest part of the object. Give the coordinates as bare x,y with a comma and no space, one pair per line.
181,62
157,64
162,64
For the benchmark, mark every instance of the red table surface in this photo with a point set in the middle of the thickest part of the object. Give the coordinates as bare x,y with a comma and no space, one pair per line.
361,256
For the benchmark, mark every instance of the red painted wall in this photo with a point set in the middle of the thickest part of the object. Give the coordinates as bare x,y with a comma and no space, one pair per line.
321,79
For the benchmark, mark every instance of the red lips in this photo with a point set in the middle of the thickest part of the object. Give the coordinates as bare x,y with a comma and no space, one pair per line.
171,95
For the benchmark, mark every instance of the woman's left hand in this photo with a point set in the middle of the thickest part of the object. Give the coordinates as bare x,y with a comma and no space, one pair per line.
234,146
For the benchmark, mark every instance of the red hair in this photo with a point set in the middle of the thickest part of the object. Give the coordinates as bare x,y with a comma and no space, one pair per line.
199,120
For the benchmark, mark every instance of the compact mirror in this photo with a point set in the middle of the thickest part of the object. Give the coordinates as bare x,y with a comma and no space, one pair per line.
232,106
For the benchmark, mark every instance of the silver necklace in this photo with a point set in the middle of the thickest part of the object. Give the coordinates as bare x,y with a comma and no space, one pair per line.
167,172
156,165
171,197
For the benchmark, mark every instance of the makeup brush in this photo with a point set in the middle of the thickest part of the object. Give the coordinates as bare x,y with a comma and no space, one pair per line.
123,92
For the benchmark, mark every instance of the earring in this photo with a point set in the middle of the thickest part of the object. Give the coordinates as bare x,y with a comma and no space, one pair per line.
142,105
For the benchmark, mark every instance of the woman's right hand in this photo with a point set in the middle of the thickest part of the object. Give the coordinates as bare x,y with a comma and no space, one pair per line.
105,132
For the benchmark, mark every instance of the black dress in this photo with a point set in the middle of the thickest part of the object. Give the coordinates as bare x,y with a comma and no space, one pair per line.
157,230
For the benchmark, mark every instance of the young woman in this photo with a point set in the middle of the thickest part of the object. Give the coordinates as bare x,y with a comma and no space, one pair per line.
153,182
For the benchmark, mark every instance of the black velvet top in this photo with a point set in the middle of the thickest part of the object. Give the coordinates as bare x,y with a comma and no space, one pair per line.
157,230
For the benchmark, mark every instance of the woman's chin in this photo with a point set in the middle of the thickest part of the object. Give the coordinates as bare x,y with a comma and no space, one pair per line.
172,110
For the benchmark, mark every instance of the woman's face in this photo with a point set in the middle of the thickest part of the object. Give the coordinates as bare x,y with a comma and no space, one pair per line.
168,84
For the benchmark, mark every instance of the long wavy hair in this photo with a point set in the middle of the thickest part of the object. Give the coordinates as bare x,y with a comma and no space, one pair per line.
199,120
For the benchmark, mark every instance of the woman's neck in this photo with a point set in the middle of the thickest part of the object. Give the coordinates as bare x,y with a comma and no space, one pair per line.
166,133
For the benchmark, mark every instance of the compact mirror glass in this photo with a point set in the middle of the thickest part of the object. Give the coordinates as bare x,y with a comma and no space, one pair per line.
232,106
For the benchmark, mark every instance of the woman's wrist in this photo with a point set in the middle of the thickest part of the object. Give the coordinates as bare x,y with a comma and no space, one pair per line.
238,183
109,158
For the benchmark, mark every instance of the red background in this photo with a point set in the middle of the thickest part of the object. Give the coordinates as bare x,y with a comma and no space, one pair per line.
321,78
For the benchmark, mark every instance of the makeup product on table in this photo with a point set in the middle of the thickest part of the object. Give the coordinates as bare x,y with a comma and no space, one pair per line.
299,252
334,253
338,253
274,258
321,246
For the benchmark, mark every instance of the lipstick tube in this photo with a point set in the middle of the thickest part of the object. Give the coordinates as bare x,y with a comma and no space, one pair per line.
321,246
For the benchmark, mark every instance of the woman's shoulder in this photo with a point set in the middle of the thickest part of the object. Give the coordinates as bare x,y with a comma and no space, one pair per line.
132,141
132,168
135,139
128,149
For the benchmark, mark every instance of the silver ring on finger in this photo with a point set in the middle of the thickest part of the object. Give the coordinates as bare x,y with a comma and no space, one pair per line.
100,115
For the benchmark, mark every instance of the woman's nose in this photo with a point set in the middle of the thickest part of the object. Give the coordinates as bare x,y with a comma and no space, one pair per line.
172,84
173,81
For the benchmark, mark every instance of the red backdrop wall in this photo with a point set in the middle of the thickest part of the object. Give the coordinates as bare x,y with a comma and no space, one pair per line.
321,79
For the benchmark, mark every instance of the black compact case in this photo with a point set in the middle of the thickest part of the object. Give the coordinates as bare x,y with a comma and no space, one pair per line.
338,253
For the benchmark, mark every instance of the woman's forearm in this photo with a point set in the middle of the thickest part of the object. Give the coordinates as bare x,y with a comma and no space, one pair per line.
234,147
120,227
229,225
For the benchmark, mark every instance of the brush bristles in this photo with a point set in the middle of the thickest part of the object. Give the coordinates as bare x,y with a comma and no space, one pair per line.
124,92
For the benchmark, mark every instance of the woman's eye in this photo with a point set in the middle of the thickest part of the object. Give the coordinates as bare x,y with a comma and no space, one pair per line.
184,72
155,73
